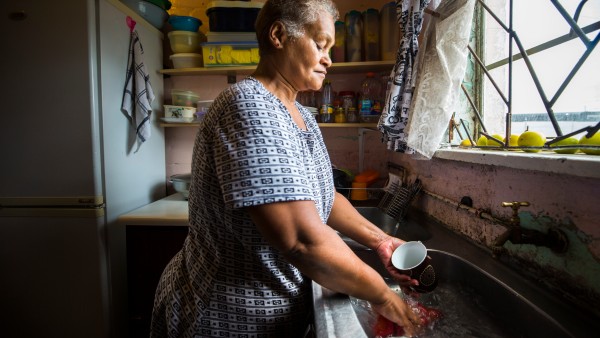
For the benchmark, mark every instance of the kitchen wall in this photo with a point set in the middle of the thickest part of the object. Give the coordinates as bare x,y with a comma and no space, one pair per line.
569,202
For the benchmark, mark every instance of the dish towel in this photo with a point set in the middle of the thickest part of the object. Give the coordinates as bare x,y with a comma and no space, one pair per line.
395,113
138,94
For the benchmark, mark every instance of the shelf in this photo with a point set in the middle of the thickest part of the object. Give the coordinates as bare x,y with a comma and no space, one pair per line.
321,125
336,68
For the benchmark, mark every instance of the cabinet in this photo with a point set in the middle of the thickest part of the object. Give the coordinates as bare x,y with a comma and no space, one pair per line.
149,250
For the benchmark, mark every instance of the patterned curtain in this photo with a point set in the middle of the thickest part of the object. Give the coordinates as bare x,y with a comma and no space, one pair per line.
394,116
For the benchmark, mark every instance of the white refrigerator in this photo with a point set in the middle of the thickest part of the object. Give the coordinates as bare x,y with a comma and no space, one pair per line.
68,166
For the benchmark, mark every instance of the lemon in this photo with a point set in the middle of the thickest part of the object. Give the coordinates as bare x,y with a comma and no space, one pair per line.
482,141
566,142
594,140
493,143
466,143
513,141
531,139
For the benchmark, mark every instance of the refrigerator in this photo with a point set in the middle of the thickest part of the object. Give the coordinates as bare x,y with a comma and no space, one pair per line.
69,165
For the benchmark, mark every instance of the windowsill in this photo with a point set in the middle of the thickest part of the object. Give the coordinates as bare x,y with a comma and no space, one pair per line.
580,165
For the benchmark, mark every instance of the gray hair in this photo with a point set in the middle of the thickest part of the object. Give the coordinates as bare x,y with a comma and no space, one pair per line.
295,15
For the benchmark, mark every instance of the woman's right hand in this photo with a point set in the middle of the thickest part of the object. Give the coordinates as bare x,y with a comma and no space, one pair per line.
395,309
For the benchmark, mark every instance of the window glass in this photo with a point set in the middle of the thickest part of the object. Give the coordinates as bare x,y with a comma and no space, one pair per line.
538,22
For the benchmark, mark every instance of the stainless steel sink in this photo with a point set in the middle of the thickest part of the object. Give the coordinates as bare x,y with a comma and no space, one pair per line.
473,288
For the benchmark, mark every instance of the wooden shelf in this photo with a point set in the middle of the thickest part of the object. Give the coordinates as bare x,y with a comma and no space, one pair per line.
321,125
336,68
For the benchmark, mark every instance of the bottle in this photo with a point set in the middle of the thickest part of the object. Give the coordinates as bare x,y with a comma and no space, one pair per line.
353,21
371,34
369,103
390,32
338,51
326,113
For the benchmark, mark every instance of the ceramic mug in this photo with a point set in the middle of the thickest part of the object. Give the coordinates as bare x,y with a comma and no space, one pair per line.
411,259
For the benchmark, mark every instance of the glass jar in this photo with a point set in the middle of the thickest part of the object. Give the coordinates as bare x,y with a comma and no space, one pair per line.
340,115
351,115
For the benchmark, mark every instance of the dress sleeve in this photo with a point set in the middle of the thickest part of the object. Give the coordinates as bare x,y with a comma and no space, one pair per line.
258,152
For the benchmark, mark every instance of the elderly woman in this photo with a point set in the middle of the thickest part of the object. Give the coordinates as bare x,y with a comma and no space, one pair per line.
263,208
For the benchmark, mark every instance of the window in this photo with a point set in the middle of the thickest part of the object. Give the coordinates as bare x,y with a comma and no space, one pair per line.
553,49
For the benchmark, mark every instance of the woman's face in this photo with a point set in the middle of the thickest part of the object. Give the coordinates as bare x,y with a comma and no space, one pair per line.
307,57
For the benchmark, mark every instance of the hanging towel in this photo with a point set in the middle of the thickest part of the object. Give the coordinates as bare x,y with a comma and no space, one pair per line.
395,113
138,94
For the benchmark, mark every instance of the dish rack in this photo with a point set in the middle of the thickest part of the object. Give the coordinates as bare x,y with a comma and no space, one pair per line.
398,196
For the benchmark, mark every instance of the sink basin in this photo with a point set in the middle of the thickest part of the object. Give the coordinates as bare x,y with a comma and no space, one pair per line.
478,295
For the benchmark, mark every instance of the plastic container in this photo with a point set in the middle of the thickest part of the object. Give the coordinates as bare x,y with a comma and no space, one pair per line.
232,16
184,98
390,32
180,112
338,51
154,14
354,30
370,101
186,60
371,34
184,41
216,54
184,23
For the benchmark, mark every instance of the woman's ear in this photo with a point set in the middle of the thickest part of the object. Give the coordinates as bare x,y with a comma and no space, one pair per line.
277,35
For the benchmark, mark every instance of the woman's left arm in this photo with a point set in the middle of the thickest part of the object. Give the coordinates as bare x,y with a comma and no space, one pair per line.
347,220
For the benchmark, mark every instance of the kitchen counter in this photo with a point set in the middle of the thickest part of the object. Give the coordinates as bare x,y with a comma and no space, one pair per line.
171,210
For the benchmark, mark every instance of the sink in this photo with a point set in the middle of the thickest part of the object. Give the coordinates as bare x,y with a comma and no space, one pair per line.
478,295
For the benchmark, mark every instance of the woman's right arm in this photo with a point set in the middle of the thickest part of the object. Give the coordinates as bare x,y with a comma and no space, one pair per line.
295,229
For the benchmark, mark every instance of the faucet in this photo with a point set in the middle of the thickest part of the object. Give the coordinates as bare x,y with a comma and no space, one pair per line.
555,239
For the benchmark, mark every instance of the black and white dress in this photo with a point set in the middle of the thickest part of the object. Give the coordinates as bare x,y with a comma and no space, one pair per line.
227,281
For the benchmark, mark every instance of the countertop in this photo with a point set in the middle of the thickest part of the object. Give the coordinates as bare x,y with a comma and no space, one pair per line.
171,210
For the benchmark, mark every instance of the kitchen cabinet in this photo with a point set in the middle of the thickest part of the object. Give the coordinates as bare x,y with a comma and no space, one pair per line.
154,234
149,250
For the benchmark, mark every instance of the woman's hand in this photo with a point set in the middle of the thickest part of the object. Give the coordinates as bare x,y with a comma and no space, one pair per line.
396,310
385,249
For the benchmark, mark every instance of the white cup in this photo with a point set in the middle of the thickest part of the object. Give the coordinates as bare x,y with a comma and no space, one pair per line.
411,259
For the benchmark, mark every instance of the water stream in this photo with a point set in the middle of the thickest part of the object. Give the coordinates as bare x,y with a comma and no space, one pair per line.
463,313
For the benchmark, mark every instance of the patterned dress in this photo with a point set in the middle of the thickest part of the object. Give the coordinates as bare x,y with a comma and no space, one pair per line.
227,281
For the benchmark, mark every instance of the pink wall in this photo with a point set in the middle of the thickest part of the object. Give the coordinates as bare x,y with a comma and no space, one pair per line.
567,202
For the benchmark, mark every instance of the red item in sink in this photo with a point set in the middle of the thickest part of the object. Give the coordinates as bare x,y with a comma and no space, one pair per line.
385,328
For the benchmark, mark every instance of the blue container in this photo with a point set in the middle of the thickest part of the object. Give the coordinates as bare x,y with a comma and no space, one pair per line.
184,23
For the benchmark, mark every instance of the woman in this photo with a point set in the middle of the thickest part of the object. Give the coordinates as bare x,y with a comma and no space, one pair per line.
263,209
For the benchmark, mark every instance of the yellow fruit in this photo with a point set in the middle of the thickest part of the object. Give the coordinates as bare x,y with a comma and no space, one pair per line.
492,143
466,143
531,139
570,141
594,140
482,141
513,141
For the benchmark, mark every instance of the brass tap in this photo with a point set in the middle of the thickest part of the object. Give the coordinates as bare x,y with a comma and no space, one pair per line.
555,239
515,221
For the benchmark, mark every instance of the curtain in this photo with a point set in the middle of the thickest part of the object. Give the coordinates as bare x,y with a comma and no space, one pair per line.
425,87
394,116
